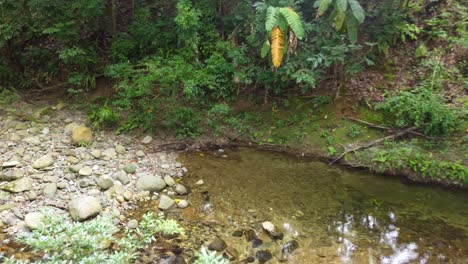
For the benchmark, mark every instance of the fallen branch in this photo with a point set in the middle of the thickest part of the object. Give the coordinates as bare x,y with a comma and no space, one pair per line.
373,143
387,128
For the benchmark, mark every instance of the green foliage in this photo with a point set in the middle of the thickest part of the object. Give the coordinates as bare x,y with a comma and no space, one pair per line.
102,115
205,256
8,96
90,242
423,110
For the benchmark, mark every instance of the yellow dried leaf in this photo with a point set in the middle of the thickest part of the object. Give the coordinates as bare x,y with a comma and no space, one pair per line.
277,46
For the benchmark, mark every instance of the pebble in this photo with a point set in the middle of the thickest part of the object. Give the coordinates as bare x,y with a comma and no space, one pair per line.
217,245
85,171
182,204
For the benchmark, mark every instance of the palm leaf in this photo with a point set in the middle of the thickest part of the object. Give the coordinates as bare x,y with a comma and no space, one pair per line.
277,41
271,18
294,21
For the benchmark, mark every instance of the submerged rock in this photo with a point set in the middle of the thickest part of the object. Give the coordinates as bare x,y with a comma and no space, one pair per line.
270,228
218,245
263,256
289,247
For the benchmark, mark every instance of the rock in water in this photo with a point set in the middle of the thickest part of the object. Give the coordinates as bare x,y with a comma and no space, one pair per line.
180,189
271,230
149,182
83,208
289,248
33,220
218,245
182,204
82,135
43,162
165,202
21,185
263,256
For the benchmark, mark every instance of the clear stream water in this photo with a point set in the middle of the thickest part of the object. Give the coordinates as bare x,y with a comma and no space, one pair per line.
336,215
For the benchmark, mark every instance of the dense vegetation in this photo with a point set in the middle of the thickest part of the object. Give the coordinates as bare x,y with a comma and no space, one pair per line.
191,67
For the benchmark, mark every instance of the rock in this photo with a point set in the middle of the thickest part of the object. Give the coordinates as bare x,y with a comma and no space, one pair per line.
271,230
147,140
129,168
233,252
73,160
33,220
289,247
237,233
110,153
169,180
165,202
140,153
256,242
32,140
132,224
250,235
167,259
96,153
250,260
200,182
85,171
182,204
75,168
217,245
70,127
85,207
148,182
10,164
43,162
50,190
32,195
82,135
263,256
122,177
105,183
11,175
21,185
120,149
165,166
180,189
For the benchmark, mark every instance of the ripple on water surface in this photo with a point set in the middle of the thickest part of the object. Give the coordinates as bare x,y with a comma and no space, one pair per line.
337,215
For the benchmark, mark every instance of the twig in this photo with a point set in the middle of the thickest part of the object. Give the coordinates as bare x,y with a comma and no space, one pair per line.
387,128
373,143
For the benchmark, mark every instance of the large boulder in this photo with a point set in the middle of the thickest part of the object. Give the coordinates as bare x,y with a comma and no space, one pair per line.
83,208
43,162
82,135
149,182
21,185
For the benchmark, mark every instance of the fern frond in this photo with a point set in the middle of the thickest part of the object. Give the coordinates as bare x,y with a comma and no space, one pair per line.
323,6
277,41
294,21
271,18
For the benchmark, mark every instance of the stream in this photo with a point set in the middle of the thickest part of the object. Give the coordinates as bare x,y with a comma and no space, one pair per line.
335,215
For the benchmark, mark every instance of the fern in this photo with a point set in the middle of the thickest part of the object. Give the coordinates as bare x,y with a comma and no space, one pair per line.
271,18
294,21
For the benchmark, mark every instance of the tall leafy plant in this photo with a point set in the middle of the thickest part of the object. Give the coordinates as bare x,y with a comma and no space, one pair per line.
281,21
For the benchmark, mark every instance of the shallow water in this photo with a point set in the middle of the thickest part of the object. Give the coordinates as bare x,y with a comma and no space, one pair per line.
336,215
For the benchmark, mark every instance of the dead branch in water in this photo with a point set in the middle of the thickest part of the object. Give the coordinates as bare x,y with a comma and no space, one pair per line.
373,143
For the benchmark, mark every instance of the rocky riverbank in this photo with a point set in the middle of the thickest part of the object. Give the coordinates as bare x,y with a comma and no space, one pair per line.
48,157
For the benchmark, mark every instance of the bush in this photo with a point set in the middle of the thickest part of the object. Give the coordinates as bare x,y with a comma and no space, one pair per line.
423,110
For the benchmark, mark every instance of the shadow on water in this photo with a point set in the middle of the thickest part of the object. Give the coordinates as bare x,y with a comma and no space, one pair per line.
336,215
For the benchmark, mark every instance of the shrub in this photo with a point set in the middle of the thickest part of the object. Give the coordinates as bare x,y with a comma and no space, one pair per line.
209,257
7,96
102,115
423,110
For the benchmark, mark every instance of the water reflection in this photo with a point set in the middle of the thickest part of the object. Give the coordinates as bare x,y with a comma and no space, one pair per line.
349,231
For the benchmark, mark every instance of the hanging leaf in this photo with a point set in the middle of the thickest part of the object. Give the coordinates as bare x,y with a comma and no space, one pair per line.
323,6
358,12
351,27
294,21
265,49
342,5
277,40
339,19
271,18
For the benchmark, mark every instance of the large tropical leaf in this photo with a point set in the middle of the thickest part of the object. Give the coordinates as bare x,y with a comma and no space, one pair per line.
294,21
339,19
265,48
358,12
277,41
271,18
351,27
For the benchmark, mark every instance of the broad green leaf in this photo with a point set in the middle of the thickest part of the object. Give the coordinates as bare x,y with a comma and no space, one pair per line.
265,50
294,21
339,19
351,27
323,6
358,12
342,5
